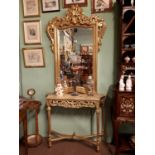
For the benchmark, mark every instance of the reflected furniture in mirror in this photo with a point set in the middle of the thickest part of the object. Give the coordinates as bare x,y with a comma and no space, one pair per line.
75,40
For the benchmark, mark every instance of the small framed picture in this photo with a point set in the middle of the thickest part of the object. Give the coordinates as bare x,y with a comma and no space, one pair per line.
31,8
68,3
33,57
50,5
99,6
32,32
84,49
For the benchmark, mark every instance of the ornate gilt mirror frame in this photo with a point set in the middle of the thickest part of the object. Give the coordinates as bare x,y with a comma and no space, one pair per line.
74,18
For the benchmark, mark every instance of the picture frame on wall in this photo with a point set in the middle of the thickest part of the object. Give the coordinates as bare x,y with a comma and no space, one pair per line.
99,6
68,3
32,32
50,5
33,57
31,8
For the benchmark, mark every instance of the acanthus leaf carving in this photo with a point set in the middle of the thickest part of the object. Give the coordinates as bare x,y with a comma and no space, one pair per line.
75,17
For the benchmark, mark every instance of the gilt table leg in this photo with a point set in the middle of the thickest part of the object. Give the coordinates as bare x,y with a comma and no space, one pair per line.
98,127
49,126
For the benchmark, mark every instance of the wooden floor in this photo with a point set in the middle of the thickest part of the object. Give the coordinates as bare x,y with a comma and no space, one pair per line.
67,148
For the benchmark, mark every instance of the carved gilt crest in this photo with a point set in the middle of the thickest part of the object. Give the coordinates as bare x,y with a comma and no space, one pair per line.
75,17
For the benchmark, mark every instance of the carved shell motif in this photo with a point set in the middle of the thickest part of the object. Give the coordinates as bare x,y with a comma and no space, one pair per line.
74,17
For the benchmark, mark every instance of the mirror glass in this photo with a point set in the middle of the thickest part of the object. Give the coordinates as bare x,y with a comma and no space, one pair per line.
75,41
76,54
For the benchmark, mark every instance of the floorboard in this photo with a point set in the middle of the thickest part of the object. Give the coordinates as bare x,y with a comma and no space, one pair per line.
67,148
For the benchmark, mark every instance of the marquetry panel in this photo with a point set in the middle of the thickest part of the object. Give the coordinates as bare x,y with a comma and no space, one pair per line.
127,106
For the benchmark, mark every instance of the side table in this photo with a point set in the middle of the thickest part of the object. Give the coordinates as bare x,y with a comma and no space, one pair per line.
28,104
81,101
23,119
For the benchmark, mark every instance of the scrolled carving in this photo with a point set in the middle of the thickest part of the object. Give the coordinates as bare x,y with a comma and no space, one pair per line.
73,103
75,17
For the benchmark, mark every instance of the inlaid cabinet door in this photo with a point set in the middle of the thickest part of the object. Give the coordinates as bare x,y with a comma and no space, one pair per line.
126,105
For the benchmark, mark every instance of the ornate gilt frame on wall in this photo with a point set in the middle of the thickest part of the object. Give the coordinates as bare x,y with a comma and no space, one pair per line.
75,18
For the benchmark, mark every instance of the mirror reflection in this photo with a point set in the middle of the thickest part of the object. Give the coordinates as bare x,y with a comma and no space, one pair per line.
76,55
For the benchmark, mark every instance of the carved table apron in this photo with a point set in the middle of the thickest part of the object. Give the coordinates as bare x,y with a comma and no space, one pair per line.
81,101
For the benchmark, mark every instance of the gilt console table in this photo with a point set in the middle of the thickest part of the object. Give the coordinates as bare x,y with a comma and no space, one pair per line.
81,101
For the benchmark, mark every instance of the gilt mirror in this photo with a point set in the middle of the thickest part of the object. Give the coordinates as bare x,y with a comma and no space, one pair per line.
75,40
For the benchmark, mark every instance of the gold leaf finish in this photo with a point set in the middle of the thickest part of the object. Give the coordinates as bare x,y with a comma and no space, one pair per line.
75,17
68,101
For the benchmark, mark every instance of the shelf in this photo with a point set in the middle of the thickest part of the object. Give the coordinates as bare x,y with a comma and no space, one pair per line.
133,76
128,68
126,119
128,34
129,64
128,49
129,7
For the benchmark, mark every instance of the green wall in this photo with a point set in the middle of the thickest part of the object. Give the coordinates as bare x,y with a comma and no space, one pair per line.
42,79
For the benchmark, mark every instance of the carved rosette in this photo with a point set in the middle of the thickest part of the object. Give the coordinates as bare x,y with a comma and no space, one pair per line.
127,105
72,103
75,17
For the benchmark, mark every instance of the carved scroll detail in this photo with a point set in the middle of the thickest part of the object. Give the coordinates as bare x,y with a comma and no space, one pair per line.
73,103
75,17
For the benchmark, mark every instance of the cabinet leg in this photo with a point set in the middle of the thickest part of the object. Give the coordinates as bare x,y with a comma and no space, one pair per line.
116,130
98,148
25,126
116,138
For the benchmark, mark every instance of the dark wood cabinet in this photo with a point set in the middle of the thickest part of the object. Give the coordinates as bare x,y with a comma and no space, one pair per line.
124,108
124,112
